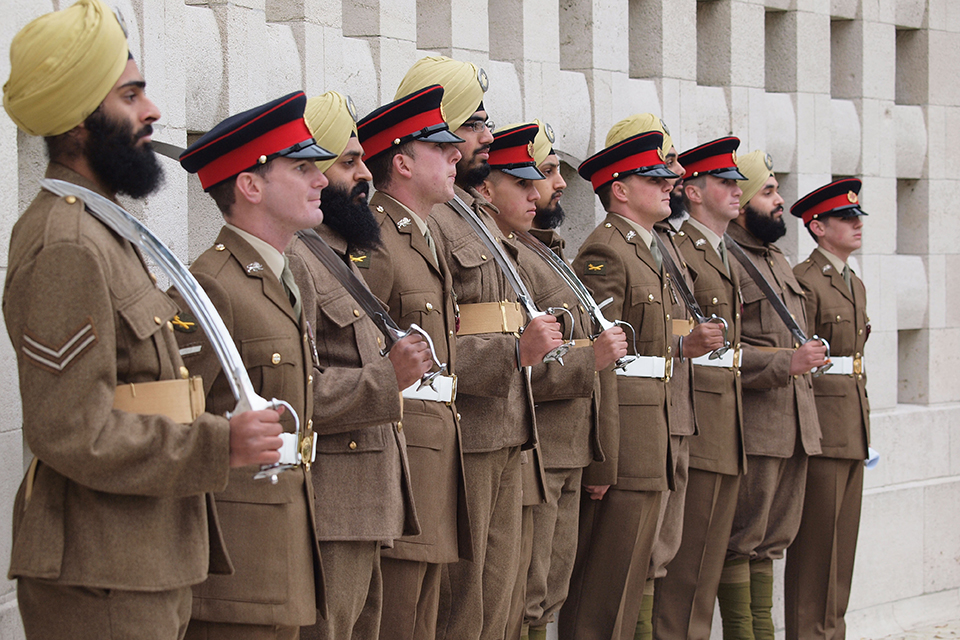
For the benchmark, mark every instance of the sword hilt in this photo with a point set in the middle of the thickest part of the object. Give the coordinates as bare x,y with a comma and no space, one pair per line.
819,371
715,319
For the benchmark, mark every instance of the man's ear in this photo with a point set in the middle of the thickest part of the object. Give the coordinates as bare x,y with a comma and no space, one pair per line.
487,189
692,193
249,186
618,191
818,227
402,165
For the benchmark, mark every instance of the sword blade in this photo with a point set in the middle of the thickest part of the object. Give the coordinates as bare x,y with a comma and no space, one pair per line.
509,271
171,151
772,296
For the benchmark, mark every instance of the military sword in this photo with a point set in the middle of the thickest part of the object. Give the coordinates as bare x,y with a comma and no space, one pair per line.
680,286
127,226
561,268
510,272
775,300
392,333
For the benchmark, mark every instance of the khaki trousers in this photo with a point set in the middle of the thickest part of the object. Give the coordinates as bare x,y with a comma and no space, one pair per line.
769,505
52,611
684,598
518,600
411,595
670,524
475,596
613,555
820,560
352,571
555,525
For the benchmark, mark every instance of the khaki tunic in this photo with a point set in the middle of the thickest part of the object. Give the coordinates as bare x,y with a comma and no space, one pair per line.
361,478
269,529
118,498
402,273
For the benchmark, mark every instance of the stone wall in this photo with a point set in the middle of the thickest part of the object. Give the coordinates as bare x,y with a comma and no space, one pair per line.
830,88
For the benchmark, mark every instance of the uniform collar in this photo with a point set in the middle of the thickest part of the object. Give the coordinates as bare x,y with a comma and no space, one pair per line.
837,263
712,238
270,255
645,235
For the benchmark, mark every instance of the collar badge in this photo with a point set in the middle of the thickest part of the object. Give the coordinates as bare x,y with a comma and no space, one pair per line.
404,222
254,267
827,267
700,242
631,235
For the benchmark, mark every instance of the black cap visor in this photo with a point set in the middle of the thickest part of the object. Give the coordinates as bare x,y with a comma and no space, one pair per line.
656,171
522,171
437,133
729,173
851,211
306,150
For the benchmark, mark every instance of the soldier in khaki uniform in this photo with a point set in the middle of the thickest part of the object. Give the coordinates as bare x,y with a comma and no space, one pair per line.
780,427
820,560
412,156
493,396
685,597
687,342
564,394
258,166
361,479
621,502
111,525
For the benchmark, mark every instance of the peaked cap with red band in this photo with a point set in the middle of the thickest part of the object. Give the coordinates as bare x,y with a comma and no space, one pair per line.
416,116
840,198
641,154
252,138
715,158
512,152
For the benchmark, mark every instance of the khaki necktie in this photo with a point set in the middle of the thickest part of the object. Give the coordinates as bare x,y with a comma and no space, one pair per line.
846,277
290,286
723,256
431,246
655,251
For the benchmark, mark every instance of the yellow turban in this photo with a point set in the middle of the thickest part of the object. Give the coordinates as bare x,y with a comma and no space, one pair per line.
62,66
331,118
464,84
757,166
636,124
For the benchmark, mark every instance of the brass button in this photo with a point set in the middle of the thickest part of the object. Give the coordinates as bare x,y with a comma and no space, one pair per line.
738,315
378,341
71,199
170,325
668,317
379,209
458,416
310,378
795,377
566,306
858,355
451,332
429,307
510,235
275,358
157,320
738,373
838,318
304,338
860,332
399,426
352,445
154,278
680,233
184,373
218,247
713,301
582,310
650,297
669,349
310,423
356,313
796,345
859,376
483,256
608,225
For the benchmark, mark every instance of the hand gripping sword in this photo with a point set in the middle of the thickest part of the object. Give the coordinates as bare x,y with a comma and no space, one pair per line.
562,269
122,222
775,301
510,272
680,286
392,333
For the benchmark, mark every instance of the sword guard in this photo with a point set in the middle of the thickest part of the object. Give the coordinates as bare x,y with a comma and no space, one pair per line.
714,355
819,371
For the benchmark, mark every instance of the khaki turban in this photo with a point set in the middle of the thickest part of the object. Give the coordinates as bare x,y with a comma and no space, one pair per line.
639,123
464,84
757,166
62,66
331,118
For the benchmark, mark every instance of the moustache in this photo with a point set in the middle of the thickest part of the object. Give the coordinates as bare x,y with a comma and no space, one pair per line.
484,149
362,189
143,133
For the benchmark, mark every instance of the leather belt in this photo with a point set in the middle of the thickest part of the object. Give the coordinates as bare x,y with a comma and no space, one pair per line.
446,390
845,366
490,317
683,327
180,400
729,360
648,367
580,343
